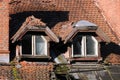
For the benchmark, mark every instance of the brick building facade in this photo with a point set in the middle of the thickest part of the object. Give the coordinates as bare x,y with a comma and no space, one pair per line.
14,12
24,24
4,31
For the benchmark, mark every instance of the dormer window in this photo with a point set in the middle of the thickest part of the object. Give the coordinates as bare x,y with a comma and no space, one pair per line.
85,39
33,39
85,46
34,45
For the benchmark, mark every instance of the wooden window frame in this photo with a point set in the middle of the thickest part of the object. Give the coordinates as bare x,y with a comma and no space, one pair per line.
34,55
88,58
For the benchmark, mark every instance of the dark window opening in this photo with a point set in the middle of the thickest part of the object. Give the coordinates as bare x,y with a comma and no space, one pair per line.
26,44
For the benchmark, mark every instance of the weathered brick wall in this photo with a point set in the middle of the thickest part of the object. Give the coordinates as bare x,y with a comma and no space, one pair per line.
4,30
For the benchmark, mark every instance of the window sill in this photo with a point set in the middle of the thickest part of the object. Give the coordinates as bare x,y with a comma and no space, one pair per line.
31,56
82,56
85,58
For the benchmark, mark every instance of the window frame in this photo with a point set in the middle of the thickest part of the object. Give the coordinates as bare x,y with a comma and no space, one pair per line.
33,47
84,49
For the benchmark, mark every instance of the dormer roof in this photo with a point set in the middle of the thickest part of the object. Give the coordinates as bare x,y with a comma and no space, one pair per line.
35,25
86,26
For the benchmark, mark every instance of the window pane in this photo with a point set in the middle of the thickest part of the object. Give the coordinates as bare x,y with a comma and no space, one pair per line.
26,44
77,44
40,45
91,45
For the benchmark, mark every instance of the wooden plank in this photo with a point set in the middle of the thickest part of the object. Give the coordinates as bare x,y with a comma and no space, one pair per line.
51,34
102,35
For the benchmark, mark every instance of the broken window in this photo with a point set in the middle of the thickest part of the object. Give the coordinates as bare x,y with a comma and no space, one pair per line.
35,45
84,46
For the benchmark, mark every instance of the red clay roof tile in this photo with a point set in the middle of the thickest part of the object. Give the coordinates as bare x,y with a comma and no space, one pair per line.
78,10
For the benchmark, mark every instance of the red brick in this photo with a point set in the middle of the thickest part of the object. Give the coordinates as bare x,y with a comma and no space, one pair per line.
4,25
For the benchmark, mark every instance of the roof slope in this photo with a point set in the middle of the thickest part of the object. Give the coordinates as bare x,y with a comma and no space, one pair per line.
88,10
17,6
78,10
111,11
